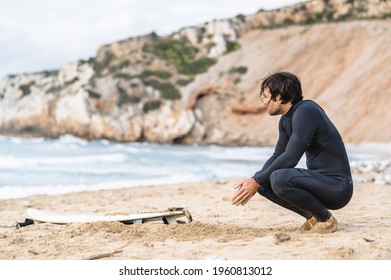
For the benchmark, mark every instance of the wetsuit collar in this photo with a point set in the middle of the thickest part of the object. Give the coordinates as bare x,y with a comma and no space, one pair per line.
293,108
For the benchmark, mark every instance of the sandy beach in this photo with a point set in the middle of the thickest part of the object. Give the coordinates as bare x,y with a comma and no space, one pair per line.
258,230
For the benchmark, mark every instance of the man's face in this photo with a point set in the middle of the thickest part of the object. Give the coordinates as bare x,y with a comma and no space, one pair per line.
273,107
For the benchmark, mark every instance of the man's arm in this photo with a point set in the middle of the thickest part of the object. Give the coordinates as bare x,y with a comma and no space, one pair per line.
278,150
247,188
304,125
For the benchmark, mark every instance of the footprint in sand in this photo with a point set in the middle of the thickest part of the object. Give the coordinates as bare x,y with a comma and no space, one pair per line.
281,237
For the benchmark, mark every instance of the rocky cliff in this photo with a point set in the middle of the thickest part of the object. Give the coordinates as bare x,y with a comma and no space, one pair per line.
201,84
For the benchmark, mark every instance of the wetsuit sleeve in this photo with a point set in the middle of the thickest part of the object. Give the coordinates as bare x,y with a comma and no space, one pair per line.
278,150
304,125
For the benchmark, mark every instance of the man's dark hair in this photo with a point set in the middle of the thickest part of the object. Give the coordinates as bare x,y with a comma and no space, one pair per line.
285,84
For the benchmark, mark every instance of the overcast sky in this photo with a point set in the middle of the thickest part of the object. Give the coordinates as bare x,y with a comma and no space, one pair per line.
37,35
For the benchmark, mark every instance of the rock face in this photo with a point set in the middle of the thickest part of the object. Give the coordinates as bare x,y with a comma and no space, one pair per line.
201,84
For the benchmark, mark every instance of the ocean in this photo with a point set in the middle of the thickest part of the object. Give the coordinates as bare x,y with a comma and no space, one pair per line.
69,164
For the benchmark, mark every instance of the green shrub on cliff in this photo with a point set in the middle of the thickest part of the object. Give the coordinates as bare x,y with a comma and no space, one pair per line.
124,76
184,82
157,73
167,90
125,97
240,70
177,52
180,53
232,46
26,90
93,94
54,89
99,66
151,105
50,73
199,66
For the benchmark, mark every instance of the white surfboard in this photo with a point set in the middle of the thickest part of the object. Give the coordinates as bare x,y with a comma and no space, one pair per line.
168,216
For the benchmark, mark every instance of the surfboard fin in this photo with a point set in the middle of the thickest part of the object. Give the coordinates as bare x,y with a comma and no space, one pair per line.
27,222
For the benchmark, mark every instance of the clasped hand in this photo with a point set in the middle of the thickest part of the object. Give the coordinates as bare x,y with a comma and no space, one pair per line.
245,190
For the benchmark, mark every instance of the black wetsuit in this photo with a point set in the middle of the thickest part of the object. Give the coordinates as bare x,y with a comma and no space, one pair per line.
326,184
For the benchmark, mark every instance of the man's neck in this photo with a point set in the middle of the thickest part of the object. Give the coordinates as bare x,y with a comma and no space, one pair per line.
286,107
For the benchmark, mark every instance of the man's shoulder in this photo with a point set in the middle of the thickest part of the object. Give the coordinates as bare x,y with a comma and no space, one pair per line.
309,104
308,107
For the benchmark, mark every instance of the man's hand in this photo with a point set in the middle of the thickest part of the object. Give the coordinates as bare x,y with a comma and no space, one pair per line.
245,191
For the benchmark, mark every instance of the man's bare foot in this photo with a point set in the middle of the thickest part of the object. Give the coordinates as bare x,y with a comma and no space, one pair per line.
328,226
307,225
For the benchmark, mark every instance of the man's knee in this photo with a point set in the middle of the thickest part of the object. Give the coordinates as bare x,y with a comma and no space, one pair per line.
279,180
279,177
